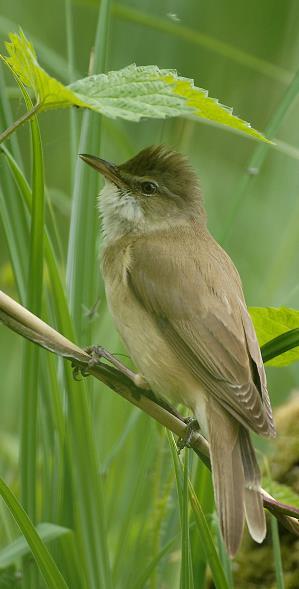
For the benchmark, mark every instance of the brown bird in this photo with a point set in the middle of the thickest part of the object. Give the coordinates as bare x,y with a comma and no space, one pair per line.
177,301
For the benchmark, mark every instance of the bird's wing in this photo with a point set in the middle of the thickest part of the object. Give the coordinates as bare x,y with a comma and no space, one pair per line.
200,310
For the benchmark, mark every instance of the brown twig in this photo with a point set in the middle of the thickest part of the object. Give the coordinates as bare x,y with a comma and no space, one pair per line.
22,321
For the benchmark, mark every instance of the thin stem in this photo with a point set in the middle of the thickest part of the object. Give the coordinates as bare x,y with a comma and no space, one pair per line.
200,39
31,356
260,153
25,117
22,321
81,277
6,116
71,74
277,554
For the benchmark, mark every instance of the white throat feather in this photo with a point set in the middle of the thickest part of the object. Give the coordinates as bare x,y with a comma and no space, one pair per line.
120,213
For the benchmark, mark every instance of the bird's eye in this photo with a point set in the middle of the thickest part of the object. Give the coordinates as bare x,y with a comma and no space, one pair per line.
149,188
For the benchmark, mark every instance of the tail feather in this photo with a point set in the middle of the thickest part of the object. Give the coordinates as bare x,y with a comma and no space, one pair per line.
236,476
254,511
228,475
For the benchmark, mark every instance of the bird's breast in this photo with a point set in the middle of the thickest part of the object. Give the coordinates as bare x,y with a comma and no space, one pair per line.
149,350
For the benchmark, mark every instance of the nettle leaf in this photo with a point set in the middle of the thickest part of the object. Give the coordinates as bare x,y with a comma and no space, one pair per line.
132,93
22,60
269,323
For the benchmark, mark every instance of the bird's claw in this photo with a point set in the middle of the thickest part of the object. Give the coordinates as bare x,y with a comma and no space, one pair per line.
96,353
191,429
79,371
82,371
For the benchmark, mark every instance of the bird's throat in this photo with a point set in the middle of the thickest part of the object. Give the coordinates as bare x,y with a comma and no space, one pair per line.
120,212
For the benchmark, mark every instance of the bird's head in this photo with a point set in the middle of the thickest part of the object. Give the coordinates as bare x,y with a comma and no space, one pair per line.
155,189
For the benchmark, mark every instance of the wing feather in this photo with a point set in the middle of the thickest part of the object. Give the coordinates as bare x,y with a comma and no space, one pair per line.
197,301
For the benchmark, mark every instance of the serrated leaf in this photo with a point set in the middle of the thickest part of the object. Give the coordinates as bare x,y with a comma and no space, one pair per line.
22,60
209,108
131,93
281,493
269,323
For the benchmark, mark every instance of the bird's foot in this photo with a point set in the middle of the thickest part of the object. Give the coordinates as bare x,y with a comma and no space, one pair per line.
96,353
190,430
79,370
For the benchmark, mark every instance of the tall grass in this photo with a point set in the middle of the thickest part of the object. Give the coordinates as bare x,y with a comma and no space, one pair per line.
98,468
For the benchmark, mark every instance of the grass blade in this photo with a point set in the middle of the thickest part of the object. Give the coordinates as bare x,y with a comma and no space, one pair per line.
186,578
14,220
186,568
19,547
207,543
43,558
197,38
71,78
277,554
86,482
31,354
146,574
280,344
82,277
260,152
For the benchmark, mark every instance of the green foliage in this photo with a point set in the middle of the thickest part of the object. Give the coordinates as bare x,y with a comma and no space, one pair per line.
20,547
45,561
23,62
104,471
185,491
132,93
281,492
271,322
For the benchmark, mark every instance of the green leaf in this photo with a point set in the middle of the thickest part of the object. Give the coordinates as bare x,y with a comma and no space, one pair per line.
207,543
282,493
271,322
280,584
131,93
22,60
40,552
205,107
205,537
134,92
19,547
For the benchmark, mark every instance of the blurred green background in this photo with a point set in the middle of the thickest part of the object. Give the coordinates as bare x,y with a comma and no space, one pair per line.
246,55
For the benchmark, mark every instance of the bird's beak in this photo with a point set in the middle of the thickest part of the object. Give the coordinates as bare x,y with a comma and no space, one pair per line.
109,171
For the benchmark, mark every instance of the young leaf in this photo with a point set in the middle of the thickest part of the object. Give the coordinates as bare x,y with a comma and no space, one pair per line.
131,93
22,60
271,322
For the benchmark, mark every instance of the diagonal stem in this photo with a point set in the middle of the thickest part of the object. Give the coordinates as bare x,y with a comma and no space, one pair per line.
260,153
25,117
22,321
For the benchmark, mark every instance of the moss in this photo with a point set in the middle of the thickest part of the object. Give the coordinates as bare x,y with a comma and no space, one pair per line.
254,566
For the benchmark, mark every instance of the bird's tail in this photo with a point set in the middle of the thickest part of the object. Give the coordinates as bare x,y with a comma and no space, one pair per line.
254,511
236,478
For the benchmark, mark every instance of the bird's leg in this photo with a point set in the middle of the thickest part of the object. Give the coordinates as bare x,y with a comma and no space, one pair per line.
97,352
192,427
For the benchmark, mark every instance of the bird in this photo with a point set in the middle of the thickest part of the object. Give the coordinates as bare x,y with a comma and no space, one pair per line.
177,302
